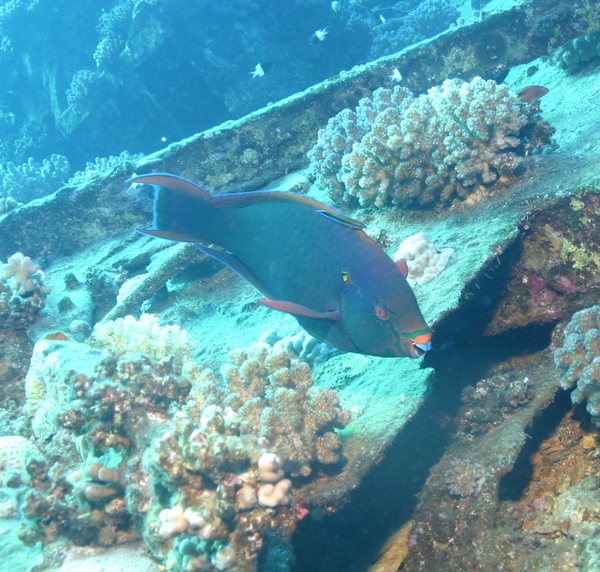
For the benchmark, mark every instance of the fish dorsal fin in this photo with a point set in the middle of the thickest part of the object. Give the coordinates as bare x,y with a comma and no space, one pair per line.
246,199
171,182
238,267
249,198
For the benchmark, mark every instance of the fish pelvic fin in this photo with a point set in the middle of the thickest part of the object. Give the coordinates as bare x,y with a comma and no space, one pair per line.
299,310
238,267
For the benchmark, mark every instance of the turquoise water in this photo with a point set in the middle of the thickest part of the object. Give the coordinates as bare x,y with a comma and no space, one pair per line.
159,411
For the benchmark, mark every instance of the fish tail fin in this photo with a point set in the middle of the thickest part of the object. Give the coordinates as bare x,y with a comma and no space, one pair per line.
180,207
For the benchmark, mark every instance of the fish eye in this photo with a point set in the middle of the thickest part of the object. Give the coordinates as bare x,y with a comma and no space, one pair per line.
381,312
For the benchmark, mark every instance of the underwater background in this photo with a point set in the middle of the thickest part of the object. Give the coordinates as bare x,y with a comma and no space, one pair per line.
441,205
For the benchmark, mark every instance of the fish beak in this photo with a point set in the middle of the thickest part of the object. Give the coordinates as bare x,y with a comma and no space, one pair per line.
418,350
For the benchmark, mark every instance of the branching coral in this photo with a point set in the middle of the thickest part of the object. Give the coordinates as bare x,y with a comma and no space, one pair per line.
443,145
105,403
226,471
276,399
29,181
579,359
85,89
429,18
103,166
8,11
22,292
112,27
346,129
70,385
24,276
143,365
200,460
227,491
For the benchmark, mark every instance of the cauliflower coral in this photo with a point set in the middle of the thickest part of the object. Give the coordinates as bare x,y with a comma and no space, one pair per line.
146,335
579,359
409,151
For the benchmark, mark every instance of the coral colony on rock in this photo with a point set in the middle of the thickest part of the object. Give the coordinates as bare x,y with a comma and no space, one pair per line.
452,142
197,459
441,202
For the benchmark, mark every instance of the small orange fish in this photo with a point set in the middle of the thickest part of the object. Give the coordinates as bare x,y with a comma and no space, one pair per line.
56,336
532,92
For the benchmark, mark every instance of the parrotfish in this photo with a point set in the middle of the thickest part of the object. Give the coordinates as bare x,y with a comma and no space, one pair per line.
306,258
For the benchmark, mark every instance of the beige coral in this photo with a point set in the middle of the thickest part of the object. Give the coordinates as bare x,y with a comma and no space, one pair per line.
278,494
275,398
408,151
423,259
49,381
15,452
145,335
24,276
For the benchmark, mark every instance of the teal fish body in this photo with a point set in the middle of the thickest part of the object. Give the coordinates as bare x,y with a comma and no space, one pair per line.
305,257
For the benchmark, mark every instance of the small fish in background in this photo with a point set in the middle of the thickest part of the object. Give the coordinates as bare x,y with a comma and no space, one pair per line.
319,36
383,20
532,93
396,75
261,69
336,6
258,71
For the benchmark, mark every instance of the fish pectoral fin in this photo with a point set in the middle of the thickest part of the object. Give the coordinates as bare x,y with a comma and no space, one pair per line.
403,267
238,267
299,309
